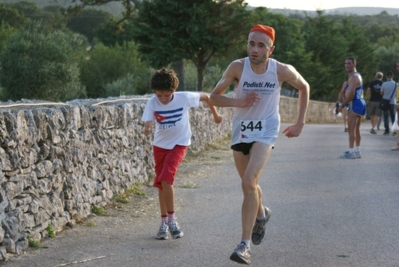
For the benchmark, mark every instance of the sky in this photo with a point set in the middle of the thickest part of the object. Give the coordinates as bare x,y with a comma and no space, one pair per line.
320,4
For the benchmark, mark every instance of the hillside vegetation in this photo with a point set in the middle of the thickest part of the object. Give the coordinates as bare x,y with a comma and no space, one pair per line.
116,8
100,53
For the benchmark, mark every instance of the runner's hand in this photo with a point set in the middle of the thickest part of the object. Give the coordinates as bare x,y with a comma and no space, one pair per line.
293,130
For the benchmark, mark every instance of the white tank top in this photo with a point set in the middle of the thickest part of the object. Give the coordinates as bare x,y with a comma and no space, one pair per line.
259,123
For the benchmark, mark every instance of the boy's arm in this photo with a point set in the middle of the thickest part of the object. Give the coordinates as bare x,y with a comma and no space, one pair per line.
148,127
216,116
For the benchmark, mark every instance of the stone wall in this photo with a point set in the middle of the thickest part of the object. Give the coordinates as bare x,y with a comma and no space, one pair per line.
58,160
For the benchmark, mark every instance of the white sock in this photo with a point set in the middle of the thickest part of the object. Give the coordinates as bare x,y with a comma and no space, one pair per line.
246,241
263,216
350,150
171,217
357,148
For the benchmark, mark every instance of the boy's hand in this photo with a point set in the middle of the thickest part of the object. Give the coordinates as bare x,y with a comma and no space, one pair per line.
147,131
217,119
148,127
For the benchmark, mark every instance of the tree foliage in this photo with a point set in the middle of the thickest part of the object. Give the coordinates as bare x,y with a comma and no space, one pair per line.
11,17
329,49
130,7
106,65
88,22
41,66
209,27
204,34
49,20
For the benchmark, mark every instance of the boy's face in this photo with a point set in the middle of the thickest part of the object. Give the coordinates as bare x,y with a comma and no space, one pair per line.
164,96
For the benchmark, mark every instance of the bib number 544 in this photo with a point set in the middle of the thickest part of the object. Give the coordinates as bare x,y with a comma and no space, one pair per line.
251,126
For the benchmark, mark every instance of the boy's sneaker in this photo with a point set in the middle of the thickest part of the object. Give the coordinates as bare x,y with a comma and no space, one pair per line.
348,155
175,230
241,254
358,155
163,232
259,230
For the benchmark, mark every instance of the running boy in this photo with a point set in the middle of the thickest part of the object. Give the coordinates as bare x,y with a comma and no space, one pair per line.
169,110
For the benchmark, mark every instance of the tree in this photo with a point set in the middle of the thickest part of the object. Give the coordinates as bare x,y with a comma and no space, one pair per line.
111,33
5,33
329,48
290,44
87,22
209,27
106,65
130,6
42,66
359,46
49,20
11,17
386,56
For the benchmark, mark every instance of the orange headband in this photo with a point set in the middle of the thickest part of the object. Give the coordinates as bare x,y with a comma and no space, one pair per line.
269,31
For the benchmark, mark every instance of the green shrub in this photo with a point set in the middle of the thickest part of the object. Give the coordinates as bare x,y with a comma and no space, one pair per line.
50,231
34,243
99,211
107,65
41,66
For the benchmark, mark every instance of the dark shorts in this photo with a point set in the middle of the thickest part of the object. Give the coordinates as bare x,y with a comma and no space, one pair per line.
242,147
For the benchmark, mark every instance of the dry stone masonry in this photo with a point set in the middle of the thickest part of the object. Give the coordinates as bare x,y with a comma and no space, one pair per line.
58,160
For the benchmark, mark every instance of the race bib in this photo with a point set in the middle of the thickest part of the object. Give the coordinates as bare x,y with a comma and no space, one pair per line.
251,129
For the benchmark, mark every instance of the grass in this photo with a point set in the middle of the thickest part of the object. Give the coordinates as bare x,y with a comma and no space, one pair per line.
50,230
34,243
99,211
90,224
124,198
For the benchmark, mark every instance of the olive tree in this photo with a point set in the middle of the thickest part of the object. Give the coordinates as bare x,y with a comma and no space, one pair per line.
36,65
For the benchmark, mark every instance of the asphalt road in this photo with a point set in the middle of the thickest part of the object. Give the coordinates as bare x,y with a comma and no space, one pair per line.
326,212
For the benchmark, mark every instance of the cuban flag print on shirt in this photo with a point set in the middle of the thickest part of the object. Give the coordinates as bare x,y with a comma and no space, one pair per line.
168,118
172,126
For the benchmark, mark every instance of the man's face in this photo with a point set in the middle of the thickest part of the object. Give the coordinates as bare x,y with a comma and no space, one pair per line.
349,66
259,47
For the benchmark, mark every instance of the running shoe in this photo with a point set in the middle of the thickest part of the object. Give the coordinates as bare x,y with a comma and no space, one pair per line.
241,254
348,155
175,230
259,230
163,232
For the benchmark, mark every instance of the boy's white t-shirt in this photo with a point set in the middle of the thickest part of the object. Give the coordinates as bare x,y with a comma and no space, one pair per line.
172,125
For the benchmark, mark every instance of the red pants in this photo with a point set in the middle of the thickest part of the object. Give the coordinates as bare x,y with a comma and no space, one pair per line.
166,163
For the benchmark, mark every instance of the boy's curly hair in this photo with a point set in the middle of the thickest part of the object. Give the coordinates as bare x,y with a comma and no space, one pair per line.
165,80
